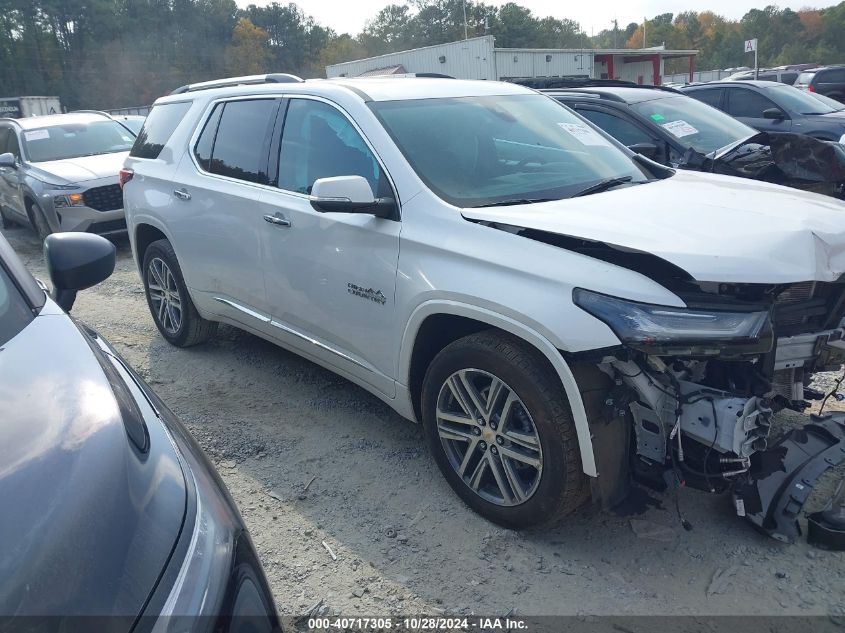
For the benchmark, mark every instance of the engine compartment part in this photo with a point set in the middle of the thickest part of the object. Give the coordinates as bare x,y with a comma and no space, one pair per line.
781,478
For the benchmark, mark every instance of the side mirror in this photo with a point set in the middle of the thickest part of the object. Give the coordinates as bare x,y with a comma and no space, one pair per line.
8,160
76,261
773,113
648,150
349,194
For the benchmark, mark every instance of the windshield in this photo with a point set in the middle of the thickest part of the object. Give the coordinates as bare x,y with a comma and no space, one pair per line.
14,313
790,98
479,151
693,123
832,103
73,140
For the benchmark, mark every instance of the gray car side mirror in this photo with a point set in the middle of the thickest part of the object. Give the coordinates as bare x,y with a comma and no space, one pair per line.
77,261
8,160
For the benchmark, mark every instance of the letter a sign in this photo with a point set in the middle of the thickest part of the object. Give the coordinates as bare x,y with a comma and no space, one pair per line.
751,45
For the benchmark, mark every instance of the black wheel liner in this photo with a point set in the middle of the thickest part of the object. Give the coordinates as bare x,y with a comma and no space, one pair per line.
782,477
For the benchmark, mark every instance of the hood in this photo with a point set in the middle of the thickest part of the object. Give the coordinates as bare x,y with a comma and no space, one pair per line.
716,228
88,519
82,169
838,116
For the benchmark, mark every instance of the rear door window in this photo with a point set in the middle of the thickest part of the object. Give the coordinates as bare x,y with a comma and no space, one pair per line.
158,127
747,103
242,143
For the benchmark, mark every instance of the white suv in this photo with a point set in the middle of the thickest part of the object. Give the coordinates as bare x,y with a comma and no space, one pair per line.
558,312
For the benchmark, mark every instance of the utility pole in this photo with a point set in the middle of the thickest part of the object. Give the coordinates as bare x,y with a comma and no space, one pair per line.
644,23
466,27
615,33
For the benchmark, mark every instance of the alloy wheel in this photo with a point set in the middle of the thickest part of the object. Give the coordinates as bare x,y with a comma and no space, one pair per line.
489,437
164,295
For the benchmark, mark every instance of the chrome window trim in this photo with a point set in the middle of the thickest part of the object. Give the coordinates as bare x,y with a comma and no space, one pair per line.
209,108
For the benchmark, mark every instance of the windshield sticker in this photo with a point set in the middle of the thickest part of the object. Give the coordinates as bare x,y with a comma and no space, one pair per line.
36,135
586,135
679,128
657,117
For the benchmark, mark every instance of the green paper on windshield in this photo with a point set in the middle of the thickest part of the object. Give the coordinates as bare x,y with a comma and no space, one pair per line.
657,117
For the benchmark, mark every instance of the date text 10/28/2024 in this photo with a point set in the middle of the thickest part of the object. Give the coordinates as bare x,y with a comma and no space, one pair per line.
413,624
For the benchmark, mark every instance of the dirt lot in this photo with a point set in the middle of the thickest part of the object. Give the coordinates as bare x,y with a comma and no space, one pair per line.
274,423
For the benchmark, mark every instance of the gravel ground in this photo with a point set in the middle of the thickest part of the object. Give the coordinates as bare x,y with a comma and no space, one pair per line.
317,464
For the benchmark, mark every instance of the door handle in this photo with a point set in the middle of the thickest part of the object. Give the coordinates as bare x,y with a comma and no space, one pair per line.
278,219
182,194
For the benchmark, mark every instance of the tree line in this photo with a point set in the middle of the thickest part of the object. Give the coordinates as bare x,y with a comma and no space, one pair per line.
116,53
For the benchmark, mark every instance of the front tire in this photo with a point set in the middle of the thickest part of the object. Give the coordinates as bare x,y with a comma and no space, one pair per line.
174,313
39,222
501,431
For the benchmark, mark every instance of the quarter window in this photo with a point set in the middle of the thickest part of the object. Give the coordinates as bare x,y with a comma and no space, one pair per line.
319,142
158,126
241,145
710,96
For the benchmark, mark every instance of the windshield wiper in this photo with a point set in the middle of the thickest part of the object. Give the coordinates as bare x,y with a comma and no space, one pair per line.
513,201
603,185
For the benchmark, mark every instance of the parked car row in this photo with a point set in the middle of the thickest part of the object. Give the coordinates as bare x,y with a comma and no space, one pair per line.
682,132
561,307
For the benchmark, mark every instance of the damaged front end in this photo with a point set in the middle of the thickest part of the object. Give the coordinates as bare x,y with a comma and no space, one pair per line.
783,158
700,386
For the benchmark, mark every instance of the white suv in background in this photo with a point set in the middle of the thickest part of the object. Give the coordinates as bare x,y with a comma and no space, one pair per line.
560,313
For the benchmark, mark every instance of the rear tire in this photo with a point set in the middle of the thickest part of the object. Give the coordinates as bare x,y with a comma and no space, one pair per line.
535,480
174,313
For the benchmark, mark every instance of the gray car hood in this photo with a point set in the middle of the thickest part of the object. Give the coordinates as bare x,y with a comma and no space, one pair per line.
716,228
79,170
87,520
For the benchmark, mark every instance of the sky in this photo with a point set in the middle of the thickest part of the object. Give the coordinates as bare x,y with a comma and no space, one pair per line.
345,16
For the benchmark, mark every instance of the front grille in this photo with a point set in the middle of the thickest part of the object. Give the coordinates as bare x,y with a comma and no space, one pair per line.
107,198
108,227
809,307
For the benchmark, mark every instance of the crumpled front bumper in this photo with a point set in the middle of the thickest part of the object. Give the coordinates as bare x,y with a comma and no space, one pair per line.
783,476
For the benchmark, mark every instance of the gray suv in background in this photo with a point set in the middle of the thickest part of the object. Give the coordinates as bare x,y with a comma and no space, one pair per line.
60,172
828,81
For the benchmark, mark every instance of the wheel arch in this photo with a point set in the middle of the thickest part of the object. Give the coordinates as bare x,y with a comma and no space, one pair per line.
435,324
145,233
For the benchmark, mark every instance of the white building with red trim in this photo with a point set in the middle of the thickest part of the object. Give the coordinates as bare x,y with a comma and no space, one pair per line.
478,58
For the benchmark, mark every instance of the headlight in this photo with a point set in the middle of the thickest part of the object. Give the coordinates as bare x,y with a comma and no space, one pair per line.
68,200
665,330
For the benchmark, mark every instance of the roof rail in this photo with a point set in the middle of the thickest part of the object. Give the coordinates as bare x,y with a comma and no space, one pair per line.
545,83
105,114
272,78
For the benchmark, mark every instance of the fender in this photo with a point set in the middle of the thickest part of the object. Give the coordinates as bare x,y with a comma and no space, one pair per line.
524,332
